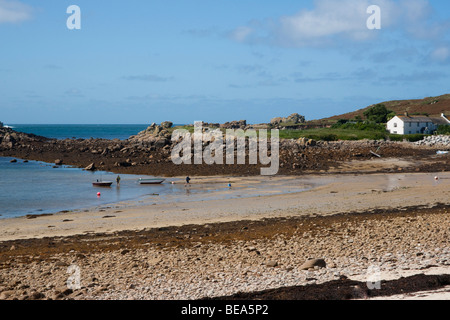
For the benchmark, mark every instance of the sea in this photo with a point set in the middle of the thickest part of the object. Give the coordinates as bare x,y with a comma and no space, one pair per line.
35,188
81,131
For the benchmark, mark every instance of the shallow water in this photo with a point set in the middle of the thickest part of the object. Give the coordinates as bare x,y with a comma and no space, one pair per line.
36,188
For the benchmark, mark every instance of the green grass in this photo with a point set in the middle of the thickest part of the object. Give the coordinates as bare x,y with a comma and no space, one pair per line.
335,134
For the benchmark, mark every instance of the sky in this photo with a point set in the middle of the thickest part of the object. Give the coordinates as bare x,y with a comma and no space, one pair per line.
137,62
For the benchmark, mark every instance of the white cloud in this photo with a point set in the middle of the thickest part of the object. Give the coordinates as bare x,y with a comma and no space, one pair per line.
329,18
240,34
12,11
330,21
441,54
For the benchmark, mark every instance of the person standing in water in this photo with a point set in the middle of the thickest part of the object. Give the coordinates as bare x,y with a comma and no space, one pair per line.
118,180
187,180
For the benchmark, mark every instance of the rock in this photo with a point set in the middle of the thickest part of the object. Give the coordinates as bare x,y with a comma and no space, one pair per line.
6,295
125,251
62,292
276,121
271,263
294,118
166,124
241,124
37,296
310,264
90,167
61,264
13,161
58,162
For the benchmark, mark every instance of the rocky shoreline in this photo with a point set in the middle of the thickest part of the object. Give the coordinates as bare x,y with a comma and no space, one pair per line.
149,152
233,260
237,260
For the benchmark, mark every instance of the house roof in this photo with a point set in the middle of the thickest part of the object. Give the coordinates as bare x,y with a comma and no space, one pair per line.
422,119
414,119
439,121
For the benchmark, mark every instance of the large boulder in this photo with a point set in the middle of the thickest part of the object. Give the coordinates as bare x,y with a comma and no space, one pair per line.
276,121
153,133
312,263
166,124
295,118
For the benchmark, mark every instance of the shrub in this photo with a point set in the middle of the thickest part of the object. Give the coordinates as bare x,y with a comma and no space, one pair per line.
378,113
443,129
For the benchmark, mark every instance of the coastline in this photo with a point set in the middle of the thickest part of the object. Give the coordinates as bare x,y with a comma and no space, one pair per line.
244,260
343,206
328,195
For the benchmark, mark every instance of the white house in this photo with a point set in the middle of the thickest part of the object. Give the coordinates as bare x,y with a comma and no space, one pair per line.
415,124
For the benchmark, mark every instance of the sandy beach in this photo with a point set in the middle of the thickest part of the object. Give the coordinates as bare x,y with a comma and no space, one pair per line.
249,198
230,245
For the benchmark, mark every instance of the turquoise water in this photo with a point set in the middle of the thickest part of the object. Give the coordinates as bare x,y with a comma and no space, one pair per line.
84,131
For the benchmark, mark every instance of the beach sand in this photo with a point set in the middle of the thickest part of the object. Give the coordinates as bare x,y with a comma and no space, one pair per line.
232,242
324,195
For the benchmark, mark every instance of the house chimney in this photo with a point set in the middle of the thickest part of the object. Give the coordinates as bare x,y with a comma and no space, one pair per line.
406,114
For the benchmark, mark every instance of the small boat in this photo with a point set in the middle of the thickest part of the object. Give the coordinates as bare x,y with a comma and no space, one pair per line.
150,180
102,183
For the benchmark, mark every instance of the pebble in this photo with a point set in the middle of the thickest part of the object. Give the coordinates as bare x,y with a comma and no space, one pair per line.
194,272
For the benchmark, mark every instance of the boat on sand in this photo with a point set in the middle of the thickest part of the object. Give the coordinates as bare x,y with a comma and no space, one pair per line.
150,180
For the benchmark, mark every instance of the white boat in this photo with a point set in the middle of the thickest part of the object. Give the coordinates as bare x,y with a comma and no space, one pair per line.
442,152
151,180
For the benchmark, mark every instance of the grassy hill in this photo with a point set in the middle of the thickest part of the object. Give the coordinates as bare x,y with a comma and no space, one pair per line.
433,106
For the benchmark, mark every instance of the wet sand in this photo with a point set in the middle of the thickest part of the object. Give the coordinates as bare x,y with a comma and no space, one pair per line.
249,198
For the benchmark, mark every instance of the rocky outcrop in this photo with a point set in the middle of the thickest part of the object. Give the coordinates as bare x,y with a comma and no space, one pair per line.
149,152
241,124
154,133
293,119
10,138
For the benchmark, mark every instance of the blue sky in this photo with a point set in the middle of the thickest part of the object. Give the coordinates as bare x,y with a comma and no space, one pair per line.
216,61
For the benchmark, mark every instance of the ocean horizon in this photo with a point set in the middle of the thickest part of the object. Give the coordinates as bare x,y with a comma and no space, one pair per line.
36,187
81,131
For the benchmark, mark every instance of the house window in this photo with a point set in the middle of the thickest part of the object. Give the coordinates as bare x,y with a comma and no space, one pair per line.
418,124
410,124
395,125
